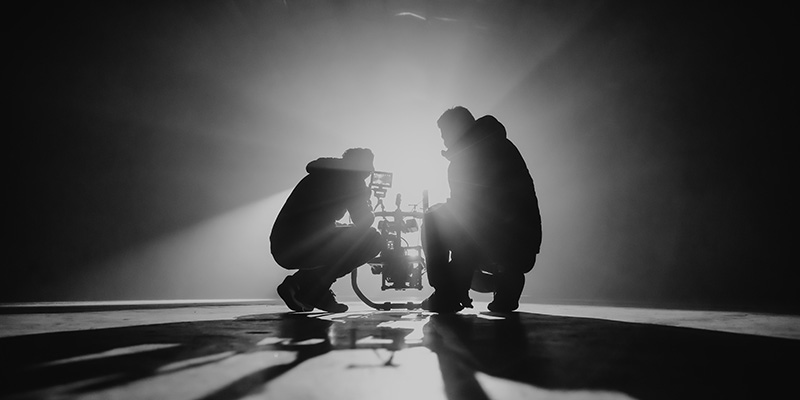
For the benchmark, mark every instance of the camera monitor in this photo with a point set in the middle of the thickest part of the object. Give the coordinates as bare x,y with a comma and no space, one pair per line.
381,180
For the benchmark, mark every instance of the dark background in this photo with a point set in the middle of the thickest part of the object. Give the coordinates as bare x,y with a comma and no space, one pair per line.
154,141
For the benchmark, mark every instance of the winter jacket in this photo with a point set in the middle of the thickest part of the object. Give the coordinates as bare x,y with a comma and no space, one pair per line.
491,190
321,198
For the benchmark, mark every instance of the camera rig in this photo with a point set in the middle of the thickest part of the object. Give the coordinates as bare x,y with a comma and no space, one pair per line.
400,265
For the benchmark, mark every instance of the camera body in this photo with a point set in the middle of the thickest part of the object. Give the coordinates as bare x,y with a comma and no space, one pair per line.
400,265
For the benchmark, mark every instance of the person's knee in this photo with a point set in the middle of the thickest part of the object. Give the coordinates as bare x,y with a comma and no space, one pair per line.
520,264
376,242
441,226
436,215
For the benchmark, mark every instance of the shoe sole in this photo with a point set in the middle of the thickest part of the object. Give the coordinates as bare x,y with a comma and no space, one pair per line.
502,310
343,309
441,310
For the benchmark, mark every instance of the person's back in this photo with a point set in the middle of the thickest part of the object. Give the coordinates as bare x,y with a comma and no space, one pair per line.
319,200
492,191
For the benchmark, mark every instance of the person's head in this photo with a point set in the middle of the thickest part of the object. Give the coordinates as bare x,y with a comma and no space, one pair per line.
360,160
453,124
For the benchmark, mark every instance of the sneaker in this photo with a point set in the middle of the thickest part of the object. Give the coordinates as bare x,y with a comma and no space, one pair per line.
327,302
289,291
502,306
506,296
441,304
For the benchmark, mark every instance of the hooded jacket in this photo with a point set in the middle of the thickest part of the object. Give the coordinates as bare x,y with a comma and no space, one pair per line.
331,188
491,189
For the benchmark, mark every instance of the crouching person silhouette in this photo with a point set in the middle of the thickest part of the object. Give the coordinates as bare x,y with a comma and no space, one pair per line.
487,234
306,237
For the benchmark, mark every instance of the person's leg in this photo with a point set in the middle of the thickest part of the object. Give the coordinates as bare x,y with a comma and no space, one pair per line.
290,253
311,257
447,261
435,244
483,280
344,250
465,260
357,248
290,291
509,282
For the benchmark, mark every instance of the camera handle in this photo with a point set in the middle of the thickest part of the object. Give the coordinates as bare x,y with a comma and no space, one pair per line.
394,227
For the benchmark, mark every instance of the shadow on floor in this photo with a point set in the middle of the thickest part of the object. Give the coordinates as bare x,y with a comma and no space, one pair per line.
641,360
550,352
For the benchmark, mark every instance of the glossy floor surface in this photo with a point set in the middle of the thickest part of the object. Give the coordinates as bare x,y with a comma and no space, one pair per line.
252,350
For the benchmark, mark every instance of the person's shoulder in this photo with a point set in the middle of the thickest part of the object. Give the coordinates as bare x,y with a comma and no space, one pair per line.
323,164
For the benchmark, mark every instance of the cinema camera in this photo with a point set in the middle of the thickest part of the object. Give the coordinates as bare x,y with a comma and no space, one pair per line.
400,265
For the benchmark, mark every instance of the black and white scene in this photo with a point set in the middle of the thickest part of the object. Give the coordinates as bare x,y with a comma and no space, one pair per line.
399,199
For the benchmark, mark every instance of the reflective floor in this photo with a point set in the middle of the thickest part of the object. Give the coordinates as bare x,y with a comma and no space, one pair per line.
249,351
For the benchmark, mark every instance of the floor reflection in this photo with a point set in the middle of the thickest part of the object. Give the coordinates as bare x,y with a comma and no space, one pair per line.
396,354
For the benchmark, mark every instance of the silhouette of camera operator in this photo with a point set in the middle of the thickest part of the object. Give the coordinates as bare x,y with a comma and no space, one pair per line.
487,234
306,236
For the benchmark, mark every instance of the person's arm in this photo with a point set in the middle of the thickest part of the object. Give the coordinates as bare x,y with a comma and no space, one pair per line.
360,210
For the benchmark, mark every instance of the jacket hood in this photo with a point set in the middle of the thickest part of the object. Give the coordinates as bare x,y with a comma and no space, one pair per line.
489,125
323,164
486,127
